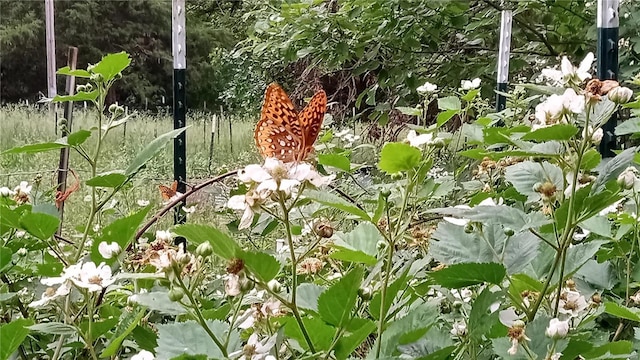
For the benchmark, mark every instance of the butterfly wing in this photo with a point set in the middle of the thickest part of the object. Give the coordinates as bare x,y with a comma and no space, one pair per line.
310,120
168,192
277,134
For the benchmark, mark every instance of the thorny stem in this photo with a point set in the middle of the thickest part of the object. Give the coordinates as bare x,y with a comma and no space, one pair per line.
294,277
200,317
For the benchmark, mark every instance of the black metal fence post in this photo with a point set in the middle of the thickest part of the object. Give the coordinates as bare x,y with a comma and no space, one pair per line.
504,52
607,54
178,23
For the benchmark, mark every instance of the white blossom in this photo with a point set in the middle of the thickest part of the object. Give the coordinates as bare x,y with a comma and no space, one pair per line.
232,285
568,73
256,349
593,136
557,328
418,140
5,191
23,189
470,84
93,278
572,303
426,88
143,355
142,203
51,294
162,235
459,329
620,94
107,251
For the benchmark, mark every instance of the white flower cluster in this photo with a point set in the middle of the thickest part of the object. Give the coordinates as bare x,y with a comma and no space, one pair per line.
82,275
426,88
470,84
568,73
348,137
272,177
552,110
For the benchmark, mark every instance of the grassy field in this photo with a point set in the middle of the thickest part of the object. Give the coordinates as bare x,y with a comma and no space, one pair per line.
21,124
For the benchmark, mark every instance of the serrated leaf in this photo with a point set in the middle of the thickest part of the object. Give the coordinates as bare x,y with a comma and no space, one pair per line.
408,329
449,103
158,301
337,302
152,149
223,246
307,296
127,327
590,159
120,231
359,245
334,201
79,96
523,176
553,132
191,339
337,161
55,328
610,169
35,148
411,111
480,318
111,65
445,116
78,137
5,257
622,312
264,266
461,275
145,338
396,157
627,127
12,335
111,179
76,72
40,225
358,331
319,332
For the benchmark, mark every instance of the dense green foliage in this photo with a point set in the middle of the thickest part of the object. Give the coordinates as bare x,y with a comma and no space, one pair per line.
364,53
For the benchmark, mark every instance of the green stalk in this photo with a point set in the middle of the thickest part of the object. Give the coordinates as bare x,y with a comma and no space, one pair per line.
294,278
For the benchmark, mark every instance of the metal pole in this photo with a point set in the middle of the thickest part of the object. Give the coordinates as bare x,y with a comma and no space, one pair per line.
178,22
607,54
504,52
51,58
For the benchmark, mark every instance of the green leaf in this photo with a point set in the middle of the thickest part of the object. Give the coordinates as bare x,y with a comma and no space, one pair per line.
408,329
79,96
35,148
630,126
12,335
40,225
336,303
307,296
120,231
481,319
111,65
553,132
145,338
190,338
159,301
357,332
449,103
78,137
319,332
110,179
337,161
611,169
123,330
5,257
329,199
77,72
611,351
525,175
264,266
392,290
359,245
396,157
411,111
622,312
55,328
461,275
445,116
590,159
151,150
223,246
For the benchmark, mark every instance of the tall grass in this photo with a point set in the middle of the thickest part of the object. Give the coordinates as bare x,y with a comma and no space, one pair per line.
21,124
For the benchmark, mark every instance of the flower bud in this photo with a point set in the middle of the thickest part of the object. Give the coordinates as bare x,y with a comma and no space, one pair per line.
22,252
205,249
246,284
80,88
627,178
620,95
468,228
365,293
557,329
274,285
88,87
385,193
90,67
323,229
96,78
176,294
508,231
113,107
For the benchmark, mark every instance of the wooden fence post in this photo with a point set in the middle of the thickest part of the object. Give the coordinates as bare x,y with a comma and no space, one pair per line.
63,165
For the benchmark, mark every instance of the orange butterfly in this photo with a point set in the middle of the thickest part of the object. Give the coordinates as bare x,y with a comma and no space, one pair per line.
284,133
169,192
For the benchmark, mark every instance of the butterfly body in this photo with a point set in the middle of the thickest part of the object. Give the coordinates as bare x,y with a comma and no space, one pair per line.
168,192
284,133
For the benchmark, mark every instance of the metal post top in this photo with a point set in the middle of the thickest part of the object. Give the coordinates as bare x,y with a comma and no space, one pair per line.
608,16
